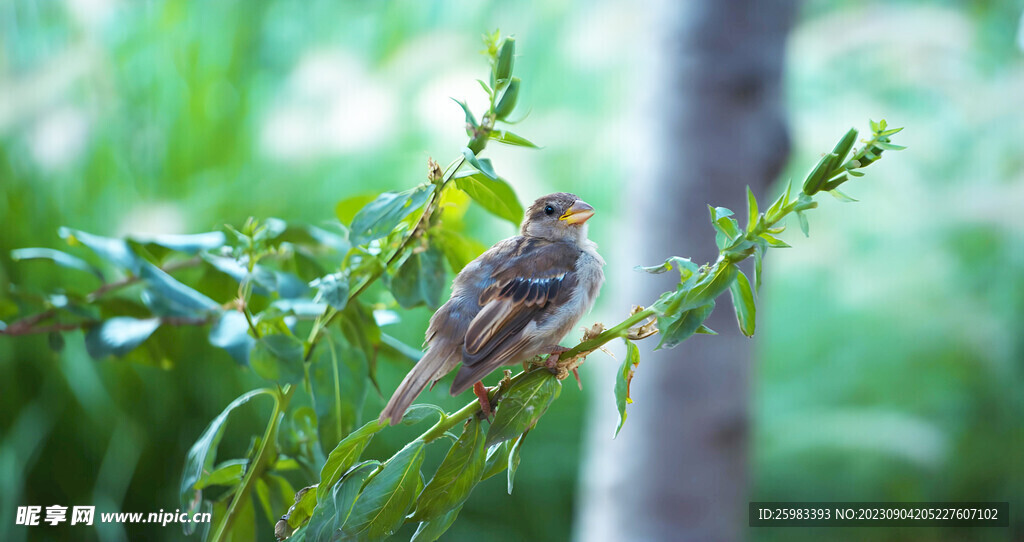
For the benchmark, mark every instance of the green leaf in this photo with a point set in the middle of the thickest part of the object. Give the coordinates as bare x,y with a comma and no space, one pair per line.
505,60
299,307
743,303
494,195
696,291
420,279
772,241
752,213
302,510
484,166
759,249
180,297
334,506
203,452
458,474
115,251
287,285
726,226
779,203
497,459
841,196
522,405
383,214
347,208
228,473
820,173
845,144
508,138
458,249
278,358
344,455
398,349
888,146
486,87
687,269
361,331
275,495
263,279
62,259
804,226
421,411
654,269
318,239
189,244
429,531
231,332
244,527
513,459
508,100
432,276
337,374
118,336
675,330
470,119
622,379
332,289
835,183
381,506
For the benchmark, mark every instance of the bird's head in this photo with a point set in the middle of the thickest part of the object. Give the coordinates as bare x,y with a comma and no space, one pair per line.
558,217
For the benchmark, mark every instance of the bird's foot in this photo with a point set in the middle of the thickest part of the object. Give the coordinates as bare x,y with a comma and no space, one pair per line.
554,352
481,395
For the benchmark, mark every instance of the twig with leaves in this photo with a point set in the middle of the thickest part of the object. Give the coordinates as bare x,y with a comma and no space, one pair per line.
295,314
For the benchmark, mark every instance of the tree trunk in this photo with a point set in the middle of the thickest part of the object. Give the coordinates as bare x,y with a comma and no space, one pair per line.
678,470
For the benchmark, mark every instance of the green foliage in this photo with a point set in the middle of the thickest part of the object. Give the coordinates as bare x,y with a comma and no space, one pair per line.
455,478
389,493
522,405
299,321
495,195
622,380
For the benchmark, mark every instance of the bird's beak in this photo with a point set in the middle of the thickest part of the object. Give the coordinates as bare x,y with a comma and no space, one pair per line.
579,213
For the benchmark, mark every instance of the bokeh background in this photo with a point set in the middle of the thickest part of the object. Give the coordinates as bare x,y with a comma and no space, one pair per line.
890,351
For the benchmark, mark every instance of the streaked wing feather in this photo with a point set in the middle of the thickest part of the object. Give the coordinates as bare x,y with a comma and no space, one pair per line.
523,289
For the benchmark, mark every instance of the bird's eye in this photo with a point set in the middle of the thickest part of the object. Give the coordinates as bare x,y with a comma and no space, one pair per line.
549,210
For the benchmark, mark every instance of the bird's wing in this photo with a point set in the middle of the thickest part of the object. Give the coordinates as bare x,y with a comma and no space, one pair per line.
534,278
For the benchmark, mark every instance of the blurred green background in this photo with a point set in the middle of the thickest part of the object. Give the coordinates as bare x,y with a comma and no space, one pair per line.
891,356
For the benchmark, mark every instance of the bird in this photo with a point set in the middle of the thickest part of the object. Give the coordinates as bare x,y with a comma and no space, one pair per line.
515,301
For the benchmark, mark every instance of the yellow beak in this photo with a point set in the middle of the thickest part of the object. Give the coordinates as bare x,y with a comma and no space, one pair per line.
579,213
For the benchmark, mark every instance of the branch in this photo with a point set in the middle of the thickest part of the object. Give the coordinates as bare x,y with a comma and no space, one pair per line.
703,286
27,325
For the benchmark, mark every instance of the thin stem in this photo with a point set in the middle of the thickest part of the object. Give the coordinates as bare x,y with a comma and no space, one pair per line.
451,420
27,325
245,292
620,330
330,314
259,463
128,281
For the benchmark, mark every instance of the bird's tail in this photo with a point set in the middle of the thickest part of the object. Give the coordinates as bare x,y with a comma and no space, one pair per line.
427,369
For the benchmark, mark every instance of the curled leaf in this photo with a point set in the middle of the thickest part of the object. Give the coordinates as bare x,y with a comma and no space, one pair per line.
623,377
